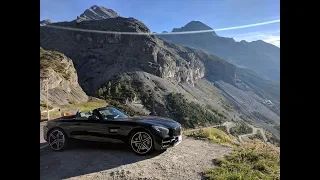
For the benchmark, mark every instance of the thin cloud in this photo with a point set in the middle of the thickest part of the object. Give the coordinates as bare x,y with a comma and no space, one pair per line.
170,33
249,25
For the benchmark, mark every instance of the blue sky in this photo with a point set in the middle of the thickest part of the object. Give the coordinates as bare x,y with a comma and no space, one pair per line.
164,15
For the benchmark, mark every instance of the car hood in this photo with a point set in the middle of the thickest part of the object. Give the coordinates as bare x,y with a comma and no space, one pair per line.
155,120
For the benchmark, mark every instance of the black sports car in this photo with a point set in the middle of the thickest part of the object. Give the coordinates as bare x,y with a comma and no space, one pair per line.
108,124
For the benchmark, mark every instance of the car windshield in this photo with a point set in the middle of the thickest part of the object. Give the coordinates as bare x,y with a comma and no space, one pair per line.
112,113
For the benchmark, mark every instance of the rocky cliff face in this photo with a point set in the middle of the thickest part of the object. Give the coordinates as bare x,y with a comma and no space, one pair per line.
98,57
62,79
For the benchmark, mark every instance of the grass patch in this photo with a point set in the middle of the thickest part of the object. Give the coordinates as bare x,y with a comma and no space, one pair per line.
250,161
223,128
91,104
240,129
88,106
213,134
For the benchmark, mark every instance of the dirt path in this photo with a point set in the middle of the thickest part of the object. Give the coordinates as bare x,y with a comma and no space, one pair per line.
254,132
105,161
230,125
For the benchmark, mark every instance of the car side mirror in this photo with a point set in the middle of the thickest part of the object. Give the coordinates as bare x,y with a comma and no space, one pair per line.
93,117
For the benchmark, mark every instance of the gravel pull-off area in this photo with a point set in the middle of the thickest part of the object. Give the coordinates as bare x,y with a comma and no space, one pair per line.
114,161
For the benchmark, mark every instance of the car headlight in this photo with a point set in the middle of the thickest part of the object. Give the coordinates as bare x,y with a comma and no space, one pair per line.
161,129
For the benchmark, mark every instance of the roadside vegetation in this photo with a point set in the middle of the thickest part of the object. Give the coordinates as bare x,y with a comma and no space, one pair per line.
257,136
240,129
214,135
255,160
223,128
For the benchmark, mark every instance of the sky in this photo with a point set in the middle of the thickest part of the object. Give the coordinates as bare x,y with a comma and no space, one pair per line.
164,15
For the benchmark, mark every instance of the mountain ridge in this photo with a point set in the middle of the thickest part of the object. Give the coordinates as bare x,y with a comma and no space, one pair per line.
257,55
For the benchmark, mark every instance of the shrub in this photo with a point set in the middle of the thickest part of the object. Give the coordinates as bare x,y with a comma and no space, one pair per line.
240,128
213,134
257,136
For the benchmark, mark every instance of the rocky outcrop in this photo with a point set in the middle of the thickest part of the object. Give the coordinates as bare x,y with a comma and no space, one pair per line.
58,71
98,57
97,13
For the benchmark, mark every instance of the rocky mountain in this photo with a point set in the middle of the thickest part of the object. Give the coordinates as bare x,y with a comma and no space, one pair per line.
59,72
98,57
97,13
257,55
148,70
45,22
194,26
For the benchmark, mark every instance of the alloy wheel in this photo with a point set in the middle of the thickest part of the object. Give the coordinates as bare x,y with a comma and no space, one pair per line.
141,142
56,140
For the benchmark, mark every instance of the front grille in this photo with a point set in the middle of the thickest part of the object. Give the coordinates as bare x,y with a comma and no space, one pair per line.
175,132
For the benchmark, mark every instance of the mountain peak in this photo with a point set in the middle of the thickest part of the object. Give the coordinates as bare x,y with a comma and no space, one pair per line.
45,22
97,13
193,26
197,25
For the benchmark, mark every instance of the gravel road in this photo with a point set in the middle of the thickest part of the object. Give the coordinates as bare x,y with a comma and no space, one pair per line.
88,160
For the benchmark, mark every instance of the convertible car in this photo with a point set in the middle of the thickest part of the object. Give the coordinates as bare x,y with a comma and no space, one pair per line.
108,124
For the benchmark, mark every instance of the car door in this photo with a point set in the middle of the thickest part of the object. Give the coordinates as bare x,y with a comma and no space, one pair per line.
107,130
79,127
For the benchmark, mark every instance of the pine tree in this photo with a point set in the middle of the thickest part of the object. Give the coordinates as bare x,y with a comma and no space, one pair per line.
126,87
100,92
116,91
104,89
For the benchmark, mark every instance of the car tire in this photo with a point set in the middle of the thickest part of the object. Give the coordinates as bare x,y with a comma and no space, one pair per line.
141,142
57,139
